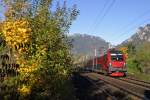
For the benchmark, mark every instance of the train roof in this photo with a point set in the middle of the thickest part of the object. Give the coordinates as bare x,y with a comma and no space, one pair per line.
114,51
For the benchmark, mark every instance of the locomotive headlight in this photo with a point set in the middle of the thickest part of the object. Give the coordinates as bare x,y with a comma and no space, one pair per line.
124,64
110,64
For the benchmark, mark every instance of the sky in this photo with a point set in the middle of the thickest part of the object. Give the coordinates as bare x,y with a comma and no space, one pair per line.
112,20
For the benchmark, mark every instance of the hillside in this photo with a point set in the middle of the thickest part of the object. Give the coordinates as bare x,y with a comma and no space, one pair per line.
139,50
84,44
141,36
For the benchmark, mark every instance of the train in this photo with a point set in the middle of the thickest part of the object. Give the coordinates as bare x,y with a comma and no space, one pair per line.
112,63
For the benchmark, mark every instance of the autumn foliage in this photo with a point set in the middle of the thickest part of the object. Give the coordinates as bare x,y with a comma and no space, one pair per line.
125,51
16,32
35,38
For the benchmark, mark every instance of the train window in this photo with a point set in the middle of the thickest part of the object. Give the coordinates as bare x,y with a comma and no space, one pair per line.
115,52
116,57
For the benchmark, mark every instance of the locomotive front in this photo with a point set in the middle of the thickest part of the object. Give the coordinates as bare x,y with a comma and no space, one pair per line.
117,63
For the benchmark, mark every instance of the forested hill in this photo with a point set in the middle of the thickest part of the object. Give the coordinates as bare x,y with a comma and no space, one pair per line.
84,44
139,50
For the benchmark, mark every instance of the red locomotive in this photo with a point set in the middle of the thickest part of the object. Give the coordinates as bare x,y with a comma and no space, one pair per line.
112,62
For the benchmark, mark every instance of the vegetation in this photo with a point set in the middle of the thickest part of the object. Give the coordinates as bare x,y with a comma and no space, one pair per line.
138,59
124,50
36,42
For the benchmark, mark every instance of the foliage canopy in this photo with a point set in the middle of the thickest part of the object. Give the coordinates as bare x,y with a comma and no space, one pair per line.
35,37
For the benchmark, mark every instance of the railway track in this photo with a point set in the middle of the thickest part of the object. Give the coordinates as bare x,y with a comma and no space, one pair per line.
110,91
136,82
104,90
136,89
88,89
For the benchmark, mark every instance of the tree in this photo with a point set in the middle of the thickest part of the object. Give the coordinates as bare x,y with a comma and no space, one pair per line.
36,37
131,49
138,60
124,50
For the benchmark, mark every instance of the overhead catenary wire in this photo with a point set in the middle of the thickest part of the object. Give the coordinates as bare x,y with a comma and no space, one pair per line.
98,20
136,19
128,26
104,12
104,15
129,30
99,14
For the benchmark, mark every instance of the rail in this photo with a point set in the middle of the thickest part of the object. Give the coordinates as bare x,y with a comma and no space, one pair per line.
136,90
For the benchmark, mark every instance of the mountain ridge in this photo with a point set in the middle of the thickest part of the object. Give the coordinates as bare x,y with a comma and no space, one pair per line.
142,35
84,44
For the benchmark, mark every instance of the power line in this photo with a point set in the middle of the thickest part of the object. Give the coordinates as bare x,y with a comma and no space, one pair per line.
99,14
128,28
136,19
105,13
128,31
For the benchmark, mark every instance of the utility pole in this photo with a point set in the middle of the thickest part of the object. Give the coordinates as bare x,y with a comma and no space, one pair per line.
93,63
101,50
82,61
96,58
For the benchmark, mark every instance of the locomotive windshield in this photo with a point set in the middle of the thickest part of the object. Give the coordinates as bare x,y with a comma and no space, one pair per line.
116,56
115,52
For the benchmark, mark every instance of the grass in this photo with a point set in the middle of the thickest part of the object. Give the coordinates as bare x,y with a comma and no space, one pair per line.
140,76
